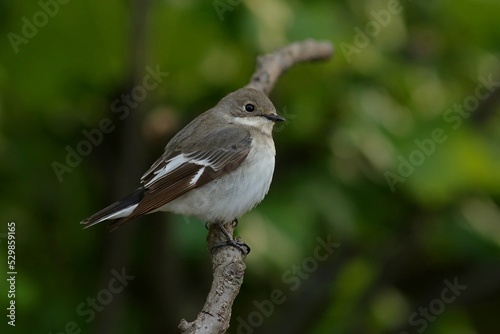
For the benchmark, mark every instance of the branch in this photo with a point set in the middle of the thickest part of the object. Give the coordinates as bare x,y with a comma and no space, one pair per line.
228,268
227,262
271,66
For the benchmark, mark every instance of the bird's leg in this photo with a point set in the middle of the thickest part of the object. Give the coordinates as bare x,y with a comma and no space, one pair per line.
240,245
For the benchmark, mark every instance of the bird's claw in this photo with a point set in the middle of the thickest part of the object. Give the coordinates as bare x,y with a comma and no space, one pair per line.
238,244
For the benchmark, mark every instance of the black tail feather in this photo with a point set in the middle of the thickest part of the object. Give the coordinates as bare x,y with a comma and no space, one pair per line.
132,199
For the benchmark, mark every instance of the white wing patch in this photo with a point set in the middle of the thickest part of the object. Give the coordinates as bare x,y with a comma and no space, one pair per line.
203,162
170,166
196,177
178,161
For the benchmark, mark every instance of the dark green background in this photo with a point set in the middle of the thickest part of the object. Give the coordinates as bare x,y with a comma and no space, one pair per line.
349,121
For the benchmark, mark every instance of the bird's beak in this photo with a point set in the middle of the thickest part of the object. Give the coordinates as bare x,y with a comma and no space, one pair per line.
274,117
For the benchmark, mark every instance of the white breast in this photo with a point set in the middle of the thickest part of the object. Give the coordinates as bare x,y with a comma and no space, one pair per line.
234,194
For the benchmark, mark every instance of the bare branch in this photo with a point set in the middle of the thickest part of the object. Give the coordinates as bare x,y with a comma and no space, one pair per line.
271,66
227,262
228,268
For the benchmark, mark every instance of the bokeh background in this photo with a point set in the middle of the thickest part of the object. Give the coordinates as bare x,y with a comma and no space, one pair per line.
401,72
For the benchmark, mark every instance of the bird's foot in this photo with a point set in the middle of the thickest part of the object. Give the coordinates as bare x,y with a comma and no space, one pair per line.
240,245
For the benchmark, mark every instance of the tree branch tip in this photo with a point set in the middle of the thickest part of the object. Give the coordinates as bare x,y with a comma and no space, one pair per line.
184,326
325,48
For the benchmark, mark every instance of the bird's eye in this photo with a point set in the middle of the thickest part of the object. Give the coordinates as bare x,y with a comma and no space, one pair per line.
249,107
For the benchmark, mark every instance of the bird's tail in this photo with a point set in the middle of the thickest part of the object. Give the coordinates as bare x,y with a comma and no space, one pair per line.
120,209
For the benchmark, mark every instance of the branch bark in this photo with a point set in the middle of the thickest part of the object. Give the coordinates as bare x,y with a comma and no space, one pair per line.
271,66
227,262
228,268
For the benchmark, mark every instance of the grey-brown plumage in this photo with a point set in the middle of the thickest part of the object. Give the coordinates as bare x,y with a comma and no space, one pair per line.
217,168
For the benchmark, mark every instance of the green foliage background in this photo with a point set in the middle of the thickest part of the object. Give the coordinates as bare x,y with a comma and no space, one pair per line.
350,121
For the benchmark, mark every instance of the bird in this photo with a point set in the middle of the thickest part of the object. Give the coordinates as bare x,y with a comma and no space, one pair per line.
216,168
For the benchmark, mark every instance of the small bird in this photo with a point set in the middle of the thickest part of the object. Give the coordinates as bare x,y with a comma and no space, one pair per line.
216,168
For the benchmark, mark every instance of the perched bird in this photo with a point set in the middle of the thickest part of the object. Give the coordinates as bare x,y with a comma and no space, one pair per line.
217,168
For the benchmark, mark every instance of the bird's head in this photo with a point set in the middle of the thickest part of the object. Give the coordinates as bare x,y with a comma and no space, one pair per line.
250,107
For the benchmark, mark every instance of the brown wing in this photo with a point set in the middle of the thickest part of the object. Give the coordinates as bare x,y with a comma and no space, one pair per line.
184,169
